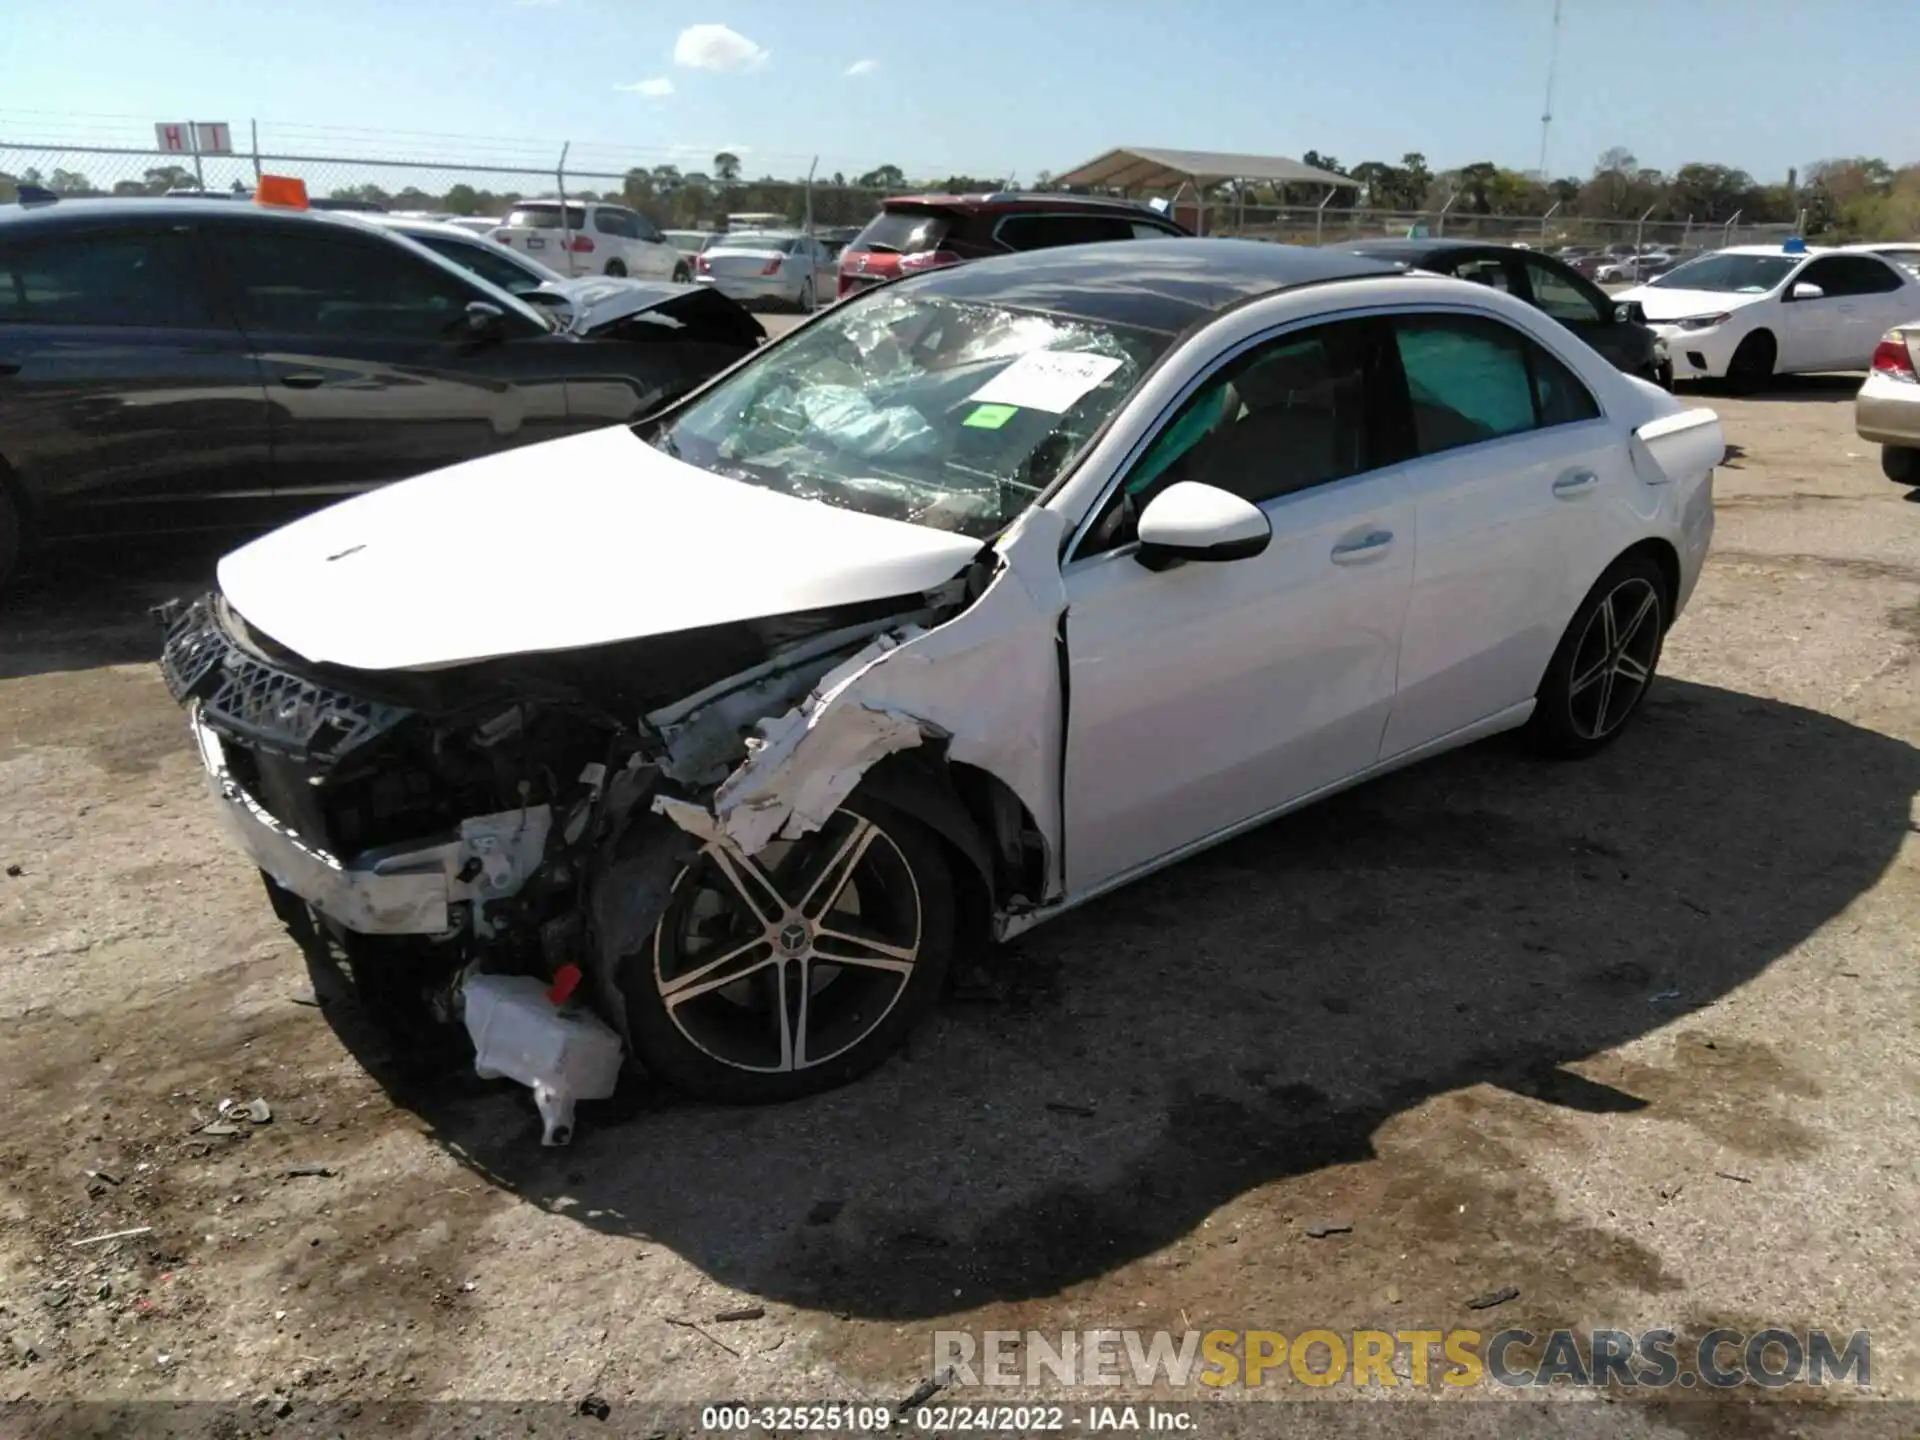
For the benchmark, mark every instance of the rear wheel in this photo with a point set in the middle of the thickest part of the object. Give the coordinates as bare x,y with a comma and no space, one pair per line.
774,976
1752,363
808,299
1605,662
1899,463
616,268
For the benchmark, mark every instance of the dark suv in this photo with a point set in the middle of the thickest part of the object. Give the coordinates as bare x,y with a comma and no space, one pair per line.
924,232
173,365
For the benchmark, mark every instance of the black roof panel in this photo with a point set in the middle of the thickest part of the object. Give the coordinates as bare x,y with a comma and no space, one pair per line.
1414,251
1164,285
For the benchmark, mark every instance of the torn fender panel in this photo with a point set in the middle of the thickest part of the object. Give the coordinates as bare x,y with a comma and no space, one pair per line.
987,681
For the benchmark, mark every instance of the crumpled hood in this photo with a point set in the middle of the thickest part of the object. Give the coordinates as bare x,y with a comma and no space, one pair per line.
1663,303
596,302
584,541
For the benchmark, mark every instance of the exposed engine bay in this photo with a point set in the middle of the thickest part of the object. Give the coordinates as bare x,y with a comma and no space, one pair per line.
527,816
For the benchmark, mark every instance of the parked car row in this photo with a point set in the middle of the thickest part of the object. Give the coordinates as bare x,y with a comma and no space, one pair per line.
169,365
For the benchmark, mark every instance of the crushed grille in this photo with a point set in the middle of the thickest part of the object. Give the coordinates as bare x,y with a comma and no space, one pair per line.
264,705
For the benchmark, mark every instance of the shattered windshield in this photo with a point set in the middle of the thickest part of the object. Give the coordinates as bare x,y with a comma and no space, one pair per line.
943,413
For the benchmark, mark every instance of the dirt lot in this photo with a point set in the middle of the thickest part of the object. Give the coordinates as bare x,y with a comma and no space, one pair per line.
1634,1038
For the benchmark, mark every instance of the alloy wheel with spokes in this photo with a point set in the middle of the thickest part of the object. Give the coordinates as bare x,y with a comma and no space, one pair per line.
781,973
1605,661
1614,660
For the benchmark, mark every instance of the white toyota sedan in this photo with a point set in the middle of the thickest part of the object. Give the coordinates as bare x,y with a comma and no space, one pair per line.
703,742
1750,312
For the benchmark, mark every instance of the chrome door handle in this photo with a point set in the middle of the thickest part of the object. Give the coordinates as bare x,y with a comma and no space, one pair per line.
1575,482
1362,547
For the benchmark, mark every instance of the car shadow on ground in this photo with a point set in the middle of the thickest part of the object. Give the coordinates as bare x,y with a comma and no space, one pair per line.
1825,388
1259,1013
83,606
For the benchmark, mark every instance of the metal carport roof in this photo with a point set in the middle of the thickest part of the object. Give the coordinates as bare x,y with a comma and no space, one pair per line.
1138,167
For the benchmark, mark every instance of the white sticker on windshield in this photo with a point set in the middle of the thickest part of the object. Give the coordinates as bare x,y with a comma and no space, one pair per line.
1047,380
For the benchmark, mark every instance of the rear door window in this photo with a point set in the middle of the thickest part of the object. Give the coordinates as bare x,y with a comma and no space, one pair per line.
616,222
1485,270
1043,232
138,278
1559,297
306,284
1472,379
905,232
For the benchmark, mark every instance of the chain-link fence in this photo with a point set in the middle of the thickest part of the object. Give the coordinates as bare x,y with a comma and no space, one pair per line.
678,190
1311,226
489,181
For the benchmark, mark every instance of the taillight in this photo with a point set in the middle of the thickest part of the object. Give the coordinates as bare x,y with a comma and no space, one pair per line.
503,236
772,267
581,245
846,286
1892,358
929,260
701,264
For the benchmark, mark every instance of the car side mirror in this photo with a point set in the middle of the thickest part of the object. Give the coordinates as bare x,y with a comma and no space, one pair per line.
1191,521
1629,312
485,320
1806,291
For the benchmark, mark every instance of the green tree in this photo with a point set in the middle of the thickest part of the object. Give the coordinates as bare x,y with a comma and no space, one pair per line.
163,178
462,199
883,177
69,182
726,167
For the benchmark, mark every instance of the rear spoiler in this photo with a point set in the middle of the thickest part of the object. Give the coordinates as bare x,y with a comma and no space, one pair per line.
1678,447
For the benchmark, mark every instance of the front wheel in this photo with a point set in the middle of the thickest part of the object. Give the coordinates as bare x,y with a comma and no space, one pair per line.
12,538
616,268
1899,463
1752,364
682,275
778,975
1605,662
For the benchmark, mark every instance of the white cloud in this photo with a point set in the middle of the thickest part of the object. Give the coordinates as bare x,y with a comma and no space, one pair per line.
715,47
862,67
655,89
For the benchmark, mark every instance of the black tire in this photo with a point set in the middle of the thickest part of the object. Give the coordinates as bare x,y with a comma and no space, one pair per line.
1899,463
744,1049
13,540
616,268
1574,691
682,275
1752,364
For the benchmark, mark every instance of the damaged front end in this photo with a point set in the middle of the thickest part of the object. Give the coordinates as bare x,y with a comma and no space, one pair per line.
502,820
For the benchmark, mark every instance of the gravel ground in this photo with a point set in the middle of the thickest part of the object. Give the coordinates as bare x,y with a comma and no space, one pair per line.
1633,1037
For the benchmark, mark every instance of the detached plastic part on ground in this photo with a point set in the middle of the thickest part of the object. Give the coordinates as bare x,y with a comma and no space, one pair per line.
564,1053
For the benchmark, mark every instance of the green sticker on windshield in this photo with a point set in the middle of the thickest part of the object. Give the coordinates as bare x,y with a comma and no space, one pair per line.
990,417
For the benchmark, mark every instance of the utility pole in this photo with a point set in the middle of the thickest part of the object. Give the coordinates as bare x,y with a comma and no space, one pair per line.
1546,111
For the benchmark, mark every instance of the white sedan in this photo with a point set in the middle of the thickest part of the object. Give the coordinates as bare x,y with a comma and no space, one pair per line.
771,267
976,598
1754,311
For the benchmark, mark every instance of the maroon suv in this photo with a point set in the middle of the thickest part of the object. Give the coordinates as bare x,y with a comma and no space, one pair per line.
924,232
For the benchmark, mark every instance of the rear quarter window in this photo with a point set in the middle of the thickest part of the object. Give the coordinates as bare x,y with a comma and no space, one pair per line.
547,217
905,232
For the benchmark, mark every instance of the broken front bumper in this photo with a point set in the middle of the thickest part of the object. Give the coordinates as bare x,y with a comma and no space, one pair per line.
397,890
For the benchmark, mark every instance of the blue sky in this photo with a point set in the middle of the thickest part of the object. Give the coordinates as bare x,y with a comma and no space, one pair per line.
987,85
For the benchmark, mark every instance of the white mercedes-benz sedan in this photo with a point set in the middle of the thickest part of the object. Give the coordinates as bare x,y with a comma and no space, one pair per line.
702,743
